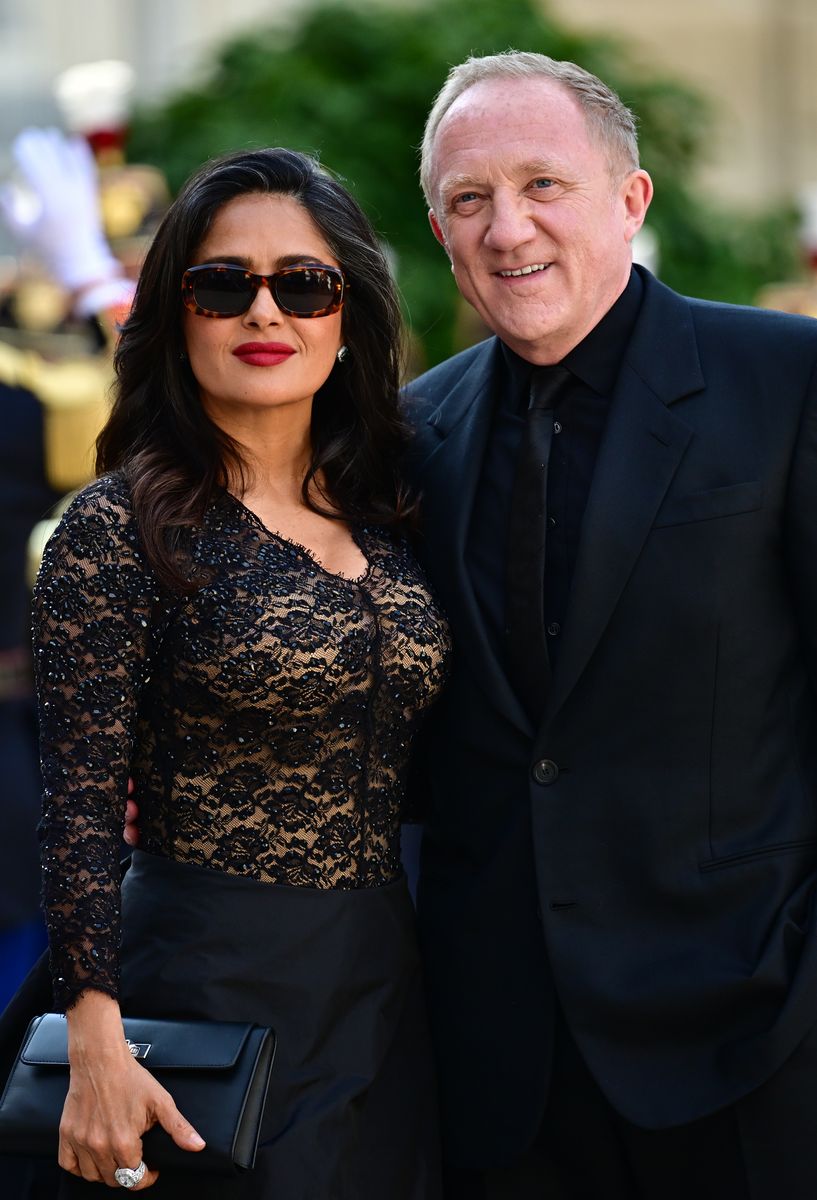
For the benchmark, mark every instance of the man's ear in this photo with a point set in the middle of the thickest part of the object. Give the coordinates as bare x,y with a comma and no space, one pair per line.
636,194
437,228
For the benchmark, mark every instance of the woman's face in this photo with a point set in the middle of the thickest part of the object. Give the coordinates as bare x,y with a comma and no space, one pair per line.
264,358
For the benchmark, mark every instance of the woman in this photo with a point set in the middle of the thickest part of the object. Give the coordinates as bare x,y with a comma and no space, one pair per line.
230,615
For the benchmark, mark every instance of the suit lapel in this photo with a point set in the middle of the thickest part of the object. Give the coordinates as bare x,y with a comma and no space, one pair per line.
448,481
642,446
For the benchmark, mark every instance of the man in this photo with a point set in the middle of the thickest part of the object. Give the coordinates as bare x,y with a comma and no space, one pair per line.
619,859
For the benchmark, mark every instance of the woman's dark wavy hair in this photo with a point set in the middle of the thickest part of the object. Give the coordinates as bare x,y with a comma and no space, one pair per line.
172,455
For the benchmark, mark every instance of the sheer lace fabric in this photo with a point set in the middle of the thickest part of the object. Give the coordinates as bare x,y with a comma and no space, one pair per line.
266,719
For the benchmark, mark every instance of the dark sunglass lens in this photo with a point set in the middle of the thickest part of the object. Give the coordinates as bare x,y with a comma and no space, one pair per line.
306,291
227,292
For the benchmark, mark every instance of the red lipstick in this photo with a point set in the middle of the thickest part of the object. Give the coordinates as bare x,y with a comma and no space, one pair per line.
263,354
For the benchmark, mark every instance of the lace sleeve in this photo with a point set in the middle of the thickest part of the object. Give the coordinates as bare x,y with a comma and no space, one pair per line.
97,619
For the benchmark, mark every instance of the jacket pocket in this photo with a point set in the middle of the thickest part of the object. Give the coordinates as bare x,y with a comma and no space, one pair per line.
706,506
749,856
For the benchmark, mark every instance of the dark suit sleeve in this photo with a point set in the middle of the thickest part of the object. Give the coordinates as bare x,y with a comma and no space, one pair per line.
801,526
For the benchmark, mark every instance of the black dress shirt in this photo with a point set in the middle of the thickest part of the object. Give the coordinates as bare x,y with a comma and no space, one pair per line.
579,421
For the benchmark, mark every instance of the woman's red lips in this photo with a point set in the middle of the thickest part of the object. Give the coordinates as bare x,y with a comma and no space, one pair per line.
263,354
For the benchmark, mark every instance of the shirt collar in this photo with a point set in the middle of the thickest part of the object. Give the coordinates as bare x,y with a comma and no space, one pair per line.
597,359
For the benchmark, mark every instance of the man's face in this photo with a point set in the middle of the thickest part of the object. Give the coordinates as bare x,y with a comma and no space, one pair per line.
521,185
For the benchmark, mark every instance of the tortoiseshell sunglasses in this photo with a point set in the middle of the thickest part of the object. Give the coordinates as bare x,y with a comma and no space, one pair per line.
225,290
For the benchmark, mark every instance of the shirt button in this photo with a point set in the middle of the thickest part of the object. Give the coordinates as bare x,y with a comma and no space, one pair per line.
552,522
557,426
554,629
545,772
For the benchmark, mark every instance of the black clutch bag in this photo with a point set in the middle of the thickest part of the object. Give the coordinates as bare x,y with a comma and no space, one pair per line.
217,1073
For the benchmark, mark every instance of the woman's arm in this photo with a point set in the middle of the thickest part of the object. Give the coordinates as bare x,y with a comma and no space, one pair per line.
98,617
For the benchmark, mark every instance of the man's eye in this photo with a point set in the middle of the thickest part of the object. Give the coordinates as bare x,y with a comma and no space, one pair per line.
466,197
542,184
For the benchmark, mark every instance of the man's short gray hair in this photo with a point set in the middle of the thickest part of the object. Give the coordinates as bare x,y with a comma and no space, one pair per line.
607,117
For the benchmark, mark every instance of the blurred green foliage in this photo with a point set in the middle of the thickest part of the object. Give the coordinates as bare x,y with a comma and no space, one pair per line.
353,85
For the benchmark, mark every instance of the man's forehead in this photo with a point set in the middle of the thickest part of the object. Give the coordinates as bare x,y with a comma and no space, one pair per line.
512,101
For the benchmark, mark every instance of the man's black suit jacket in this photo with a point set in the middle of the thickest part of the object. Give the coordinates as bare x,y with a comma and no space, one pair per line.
659,871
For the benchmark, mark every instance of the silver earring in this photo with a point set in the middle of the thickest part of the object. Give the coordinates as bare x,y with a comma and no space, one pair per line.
341,354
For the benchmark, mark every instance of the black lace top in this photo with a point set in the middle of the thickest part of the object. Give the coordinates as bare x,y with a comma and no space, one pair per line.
266,719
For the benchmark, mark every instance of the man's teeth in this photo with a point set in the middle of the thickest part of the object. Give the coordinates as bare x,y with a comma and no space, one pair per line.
524,270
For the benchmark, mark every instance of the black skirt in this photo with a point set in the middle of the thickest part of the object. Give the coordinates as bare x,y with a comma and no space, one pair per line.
351,1113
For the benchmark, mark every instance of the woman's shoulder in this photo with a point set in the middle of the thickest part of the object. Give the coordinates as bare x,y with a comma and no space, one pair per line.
107,499
99,521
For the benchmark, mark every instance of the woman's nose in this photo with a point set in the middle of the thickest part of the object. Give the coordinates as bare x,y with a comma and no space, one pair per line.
263,310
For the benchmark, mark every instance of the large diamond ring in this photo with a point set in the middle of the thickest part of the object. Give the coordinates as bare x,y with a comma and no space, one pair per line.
128,1177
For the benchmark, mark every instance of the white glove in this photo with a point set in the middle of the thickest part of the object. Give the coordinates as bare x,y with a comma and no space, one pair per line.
58,217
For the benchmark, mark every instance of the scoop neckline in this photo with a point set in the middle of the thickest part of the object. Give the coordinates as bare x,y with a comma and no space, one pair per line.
304,551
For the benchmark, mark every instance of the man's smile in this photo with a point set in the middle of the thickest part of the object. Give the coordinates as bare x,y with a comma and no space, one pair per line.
534,267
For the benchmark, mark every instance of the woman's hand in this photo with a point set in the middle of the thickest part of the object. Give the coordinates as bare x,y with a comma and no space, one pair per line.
111,1100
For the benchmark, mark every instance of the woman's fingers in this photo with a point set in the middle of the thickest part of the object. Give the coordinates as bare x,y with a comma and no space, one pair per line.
67,1158
179,1128
100,1166
123,1150
79,1161
148,1180
130,834
88,1169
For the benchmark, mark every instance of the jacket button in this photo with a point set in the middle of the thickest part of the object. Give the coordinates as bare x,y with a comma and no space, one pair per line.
545,772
